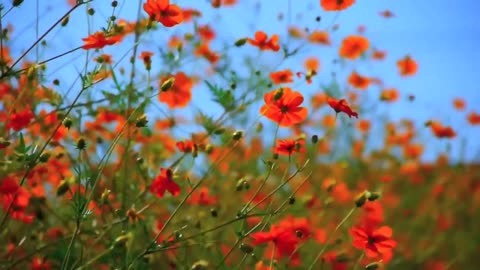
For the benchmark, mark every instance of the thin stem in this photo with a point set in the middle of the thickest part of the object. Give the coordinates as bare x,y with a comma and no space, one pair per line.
330,236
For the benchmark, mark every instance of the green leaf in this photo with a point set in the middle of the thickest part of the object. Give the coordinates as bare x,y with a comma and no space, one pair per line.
224,97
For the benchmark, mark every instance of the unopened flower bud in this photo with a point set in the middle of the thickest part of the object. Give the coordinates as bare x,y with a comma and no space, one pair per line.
17,3
372,266
167,84
246,248
44,157
122,240
314,138
141,121
81,144
361,199
64,186
278,94
240,42
237,135
374,195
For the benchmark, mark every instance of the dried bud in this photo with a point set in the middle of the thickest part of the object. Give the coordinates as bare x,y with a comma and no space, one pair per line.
314,138
214,212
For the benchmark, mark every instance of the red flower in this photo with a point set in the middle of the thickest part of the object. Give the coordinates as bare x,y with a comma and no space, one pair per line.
186,146
341,106
98,40
441,131
375,242
20,120
164,182
282,106
163,12
282,76
407,66
261,41
202,197
336,5
285,236
289,146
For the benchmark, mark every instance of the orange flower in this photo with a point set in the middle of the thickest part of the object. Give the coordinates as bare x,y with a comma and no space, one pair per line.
295,32
189,13
206,33
319,37
459,104
376,242
186,146
203,50
282,76
5,56
318,100
353,47
104,58
282,107
364,125
390,95
98,40
336,5
474,118
378,55
261,41
441,131
407,66
146,56
341,106
180,94
358,81
163,12
289,146
175,42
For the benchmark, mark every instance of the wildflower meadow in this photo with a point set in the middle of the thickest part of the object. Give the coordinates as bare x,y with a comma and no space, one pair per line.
230,134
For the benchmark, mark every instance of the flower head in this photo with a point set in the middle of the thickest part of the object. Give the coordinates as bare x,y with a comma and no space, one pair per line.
164,182
163,12
263,43
376,242
98,40
341,106
283,106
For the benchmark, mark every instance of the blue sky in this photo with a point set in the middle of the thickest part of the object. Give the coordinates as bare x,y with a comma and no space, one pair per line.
441,35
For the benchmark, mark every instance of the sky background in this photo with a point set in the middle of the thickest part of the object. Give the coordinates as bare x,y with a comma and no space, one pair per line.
442,36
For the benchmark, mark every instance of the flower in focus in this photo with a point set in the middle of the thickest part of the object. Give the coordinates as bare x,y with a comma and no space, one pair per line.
289,146
163,12
98,40
283,107
376,242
